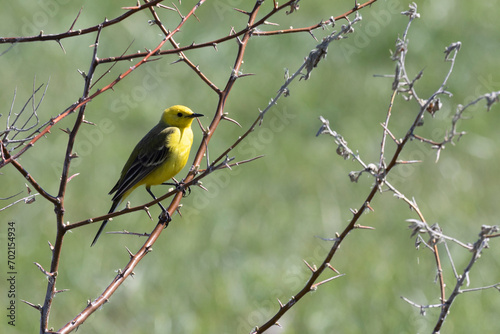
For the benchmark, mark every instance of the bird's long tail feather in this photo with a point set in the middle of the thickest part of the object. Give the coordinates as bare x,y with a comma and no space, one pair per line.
113,208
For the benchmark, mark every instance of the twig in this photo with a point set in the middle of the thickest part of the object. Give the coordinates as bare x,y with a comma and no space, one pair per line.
28,200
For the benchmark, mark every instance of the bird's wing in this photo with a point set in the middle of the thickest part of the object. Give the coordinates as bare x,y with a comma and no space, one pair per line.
149,153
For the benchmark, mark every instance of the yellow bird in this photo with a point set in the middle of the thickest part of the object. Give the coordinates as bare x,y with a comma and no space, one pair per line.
159,156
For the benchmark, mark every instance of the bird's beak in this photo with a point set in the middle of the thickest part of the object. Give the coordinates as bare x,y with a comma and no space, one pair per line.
196,115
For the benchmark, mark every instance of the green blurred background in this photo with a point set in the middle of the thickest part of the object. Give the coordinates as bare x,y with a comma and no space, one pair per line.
240,246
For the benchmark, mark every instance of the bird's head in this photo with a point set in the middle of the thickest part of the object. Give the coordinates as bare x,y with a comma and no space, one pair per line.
178,116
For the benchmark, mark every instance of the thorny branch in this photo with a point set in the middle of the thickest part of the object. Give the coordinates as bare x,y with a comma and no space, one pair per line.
486,233
25,127
252,29
404,85
72,33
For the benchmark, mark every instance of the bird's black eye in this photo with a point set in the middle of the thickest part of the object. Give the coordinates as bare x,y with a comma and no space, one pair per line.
179,114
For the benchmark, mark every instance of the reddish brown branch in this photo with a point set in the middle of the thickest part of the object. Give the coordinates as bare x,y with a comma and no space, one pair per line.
71,33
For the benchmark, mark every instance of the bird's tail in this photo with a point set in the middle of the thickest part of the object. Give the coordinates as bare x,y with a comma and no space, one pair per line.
113,208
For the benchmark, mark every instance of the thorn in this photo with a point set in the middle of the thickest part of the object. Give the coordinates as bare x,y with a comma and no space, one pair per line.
277,324
67,131
364,227
242,11
178,11
50,246
59,291
225,163
332,268
215,46
353,211
309,266
129,252
165,7
177,61
46,273
405,162
281,304
369,207
72,176
271,23
76,18
147,211
88,122
199,184
60,44
244,75
131,8
82,73
315,286
310,32
37,307
179,210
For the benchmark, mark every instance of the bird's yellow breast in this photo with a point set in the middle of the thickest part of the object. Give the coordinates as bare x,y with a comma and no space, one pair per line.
179,144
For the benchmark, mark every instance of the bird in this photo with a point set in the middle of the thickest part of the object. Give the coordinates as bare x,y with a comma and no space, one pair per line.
158,156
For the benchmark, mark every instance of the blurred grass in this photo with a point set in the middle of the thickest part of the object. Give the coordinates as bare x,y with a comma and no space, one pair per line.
240,246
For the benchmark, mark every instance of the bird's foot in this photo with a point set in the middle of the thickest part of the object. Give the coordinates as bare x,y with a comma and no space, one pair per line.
186,191
165,217
179,186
